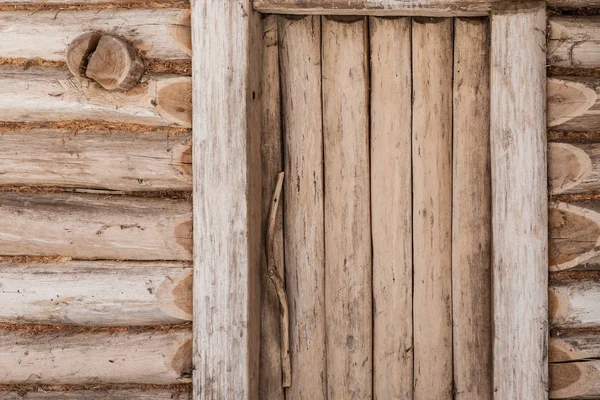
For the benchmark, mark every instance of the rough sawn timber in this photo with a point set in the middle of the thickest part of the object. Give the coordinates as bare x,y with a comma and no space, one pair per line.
95,227
575,380
227,43
156,33
574,304
391,207
519,203
573,167
300,56
432,47
98,394
115,160
574,41
100,293
40,94
573,104
430,8
81,357
348,280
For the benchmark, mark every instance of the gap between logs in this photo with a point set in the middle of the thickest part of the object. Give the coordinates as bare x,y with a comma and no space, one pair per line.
286,367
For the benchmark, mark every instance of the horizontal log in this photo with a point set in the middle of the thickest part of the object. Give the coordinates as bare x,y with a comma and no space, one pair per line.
574,41
575,380
155,33
96,159
53,94
574,346
431,8
574,236
573,167
573,104
88,357
100,293
95,227
574,304
573,3
98,394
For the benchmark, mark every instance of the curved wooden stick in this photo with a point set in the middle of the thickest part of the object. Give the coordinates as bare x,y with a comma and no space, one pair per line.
286,366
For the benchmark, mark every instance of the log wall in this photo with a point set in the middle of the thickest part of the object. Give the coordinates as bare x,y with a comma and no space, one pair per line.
96,243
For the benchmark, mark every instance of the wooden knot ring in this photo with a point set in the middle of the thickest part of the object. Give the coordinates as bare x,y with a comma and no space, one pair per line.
109,60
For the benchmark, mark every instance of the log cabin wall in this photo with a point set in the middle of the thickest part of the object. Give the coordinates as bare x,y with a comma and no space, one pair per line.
95,203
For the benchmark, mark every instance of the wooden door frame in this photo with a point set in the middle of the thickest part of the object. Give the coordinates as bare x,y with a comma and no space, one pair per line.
227,41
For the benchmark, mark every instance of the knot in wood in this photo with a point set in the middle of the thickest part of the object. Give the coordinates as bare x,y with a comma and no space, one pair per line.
108,60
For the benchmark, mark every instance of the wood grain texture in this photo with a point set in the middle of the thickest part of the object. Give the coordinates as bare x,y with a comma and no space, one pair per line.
573,3
573,104
575,380
574,41
574,346
573,167
391,207
471,213
117,394
127,161
519,204
432,207
80,358
574,304
227,198
97,3
95,227
574,236
159,34
101,293
272,163
304,204
430,8
53,94
348,280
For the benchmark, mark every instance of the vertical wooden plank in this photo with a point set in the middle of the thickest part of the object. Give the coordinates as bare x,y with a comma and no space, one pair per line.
348,288
391,207
432,207
519,203
471,212
303,200
269,386
227,198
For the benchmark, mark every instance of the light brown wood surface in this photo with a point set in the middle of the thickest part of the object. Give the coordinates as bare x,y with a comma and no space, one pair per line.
574,346
80,357
575,380
348,280
155,33
98,394
573,167
391,207
114,160
471,212
430,8
573,104
53,94
574,41
101,293
272,163
519,204
432,207
95,227
304,203
574,304
227,198
573,3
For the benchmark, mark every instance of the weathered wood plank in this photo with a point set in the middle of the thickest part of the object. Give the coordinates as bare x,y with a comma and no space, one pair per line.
573,104
519,203
573,3
80,357
304,207
574,236
430,8
348,281
471,212
100,394
574,41
575,380
226,36
98,3
127,161
573,167
269,386
391,207
574,304
95,227
155,33
101,293
574,346
432,207
53,94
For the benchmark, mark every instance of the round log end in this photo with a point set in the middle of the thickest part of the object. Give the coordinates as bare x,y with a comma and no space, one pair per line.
79,51
115,64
